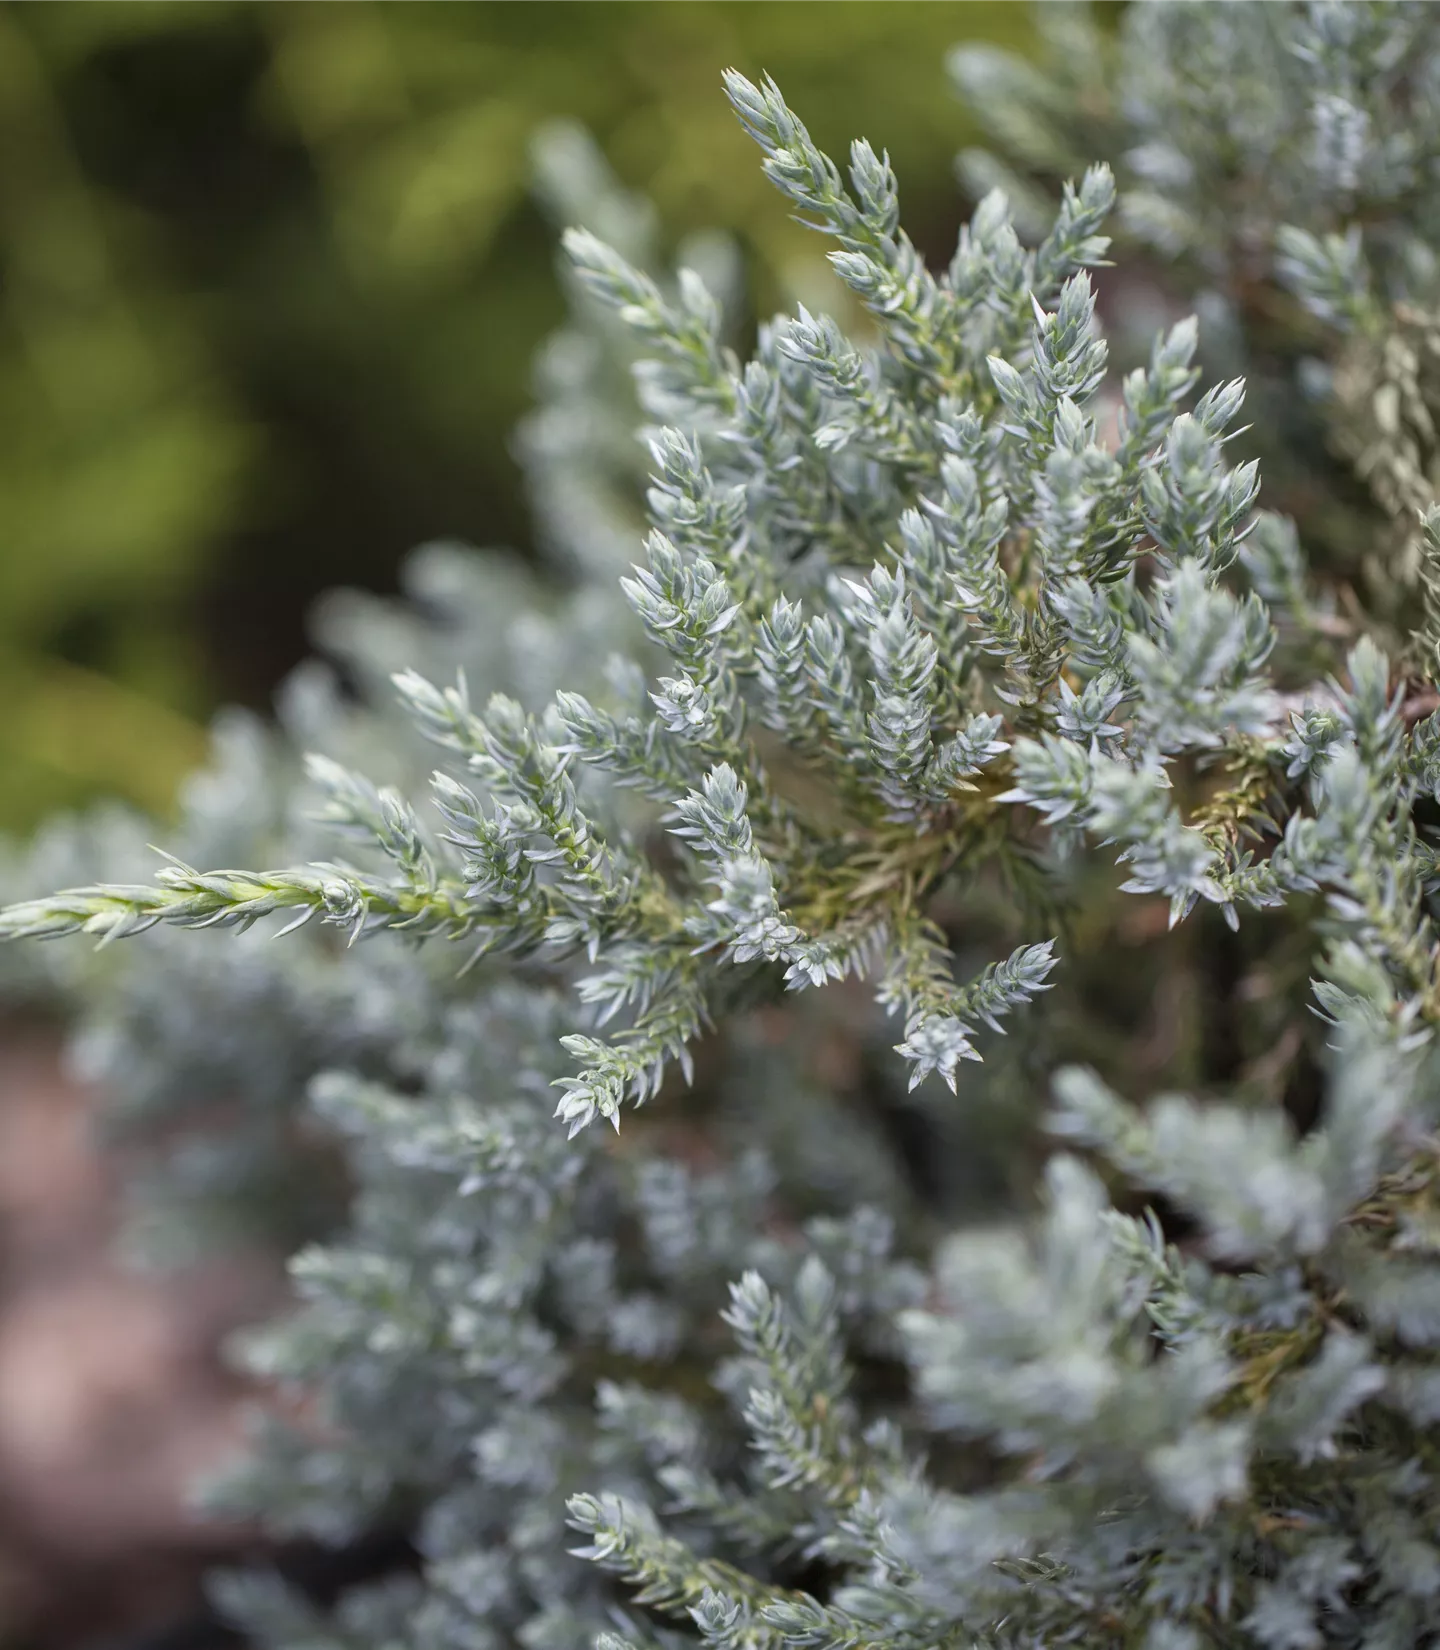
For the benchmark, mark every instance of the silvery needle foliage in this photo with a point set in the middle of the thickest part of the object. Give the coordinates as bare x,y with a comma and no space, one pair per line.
1282,160
208,1049
913,620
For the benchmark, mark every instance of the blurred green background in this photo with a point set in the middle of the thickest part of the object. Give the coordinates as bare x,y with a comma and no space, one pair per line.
270,281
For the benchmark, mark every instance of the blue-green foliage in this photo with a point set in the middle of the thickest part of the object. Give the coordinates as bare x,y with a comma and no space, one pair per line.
1280,161
927,636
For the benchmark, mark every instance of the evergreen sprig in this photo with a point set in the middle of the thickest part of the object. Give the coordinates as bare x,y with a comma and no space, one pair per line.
920,644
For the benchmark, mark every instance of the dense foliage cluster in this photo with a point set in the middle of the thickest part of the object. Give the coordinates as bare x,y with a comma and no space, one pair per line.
225,229
960,689
1267,156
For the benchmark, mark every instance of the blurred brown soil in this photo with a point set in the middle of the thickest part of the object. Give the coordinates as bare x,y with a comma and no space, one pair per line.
113,1397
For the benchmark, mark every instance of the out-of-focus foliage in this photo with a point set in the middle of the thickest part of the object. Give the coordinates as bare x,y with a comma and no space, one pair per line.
270,281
